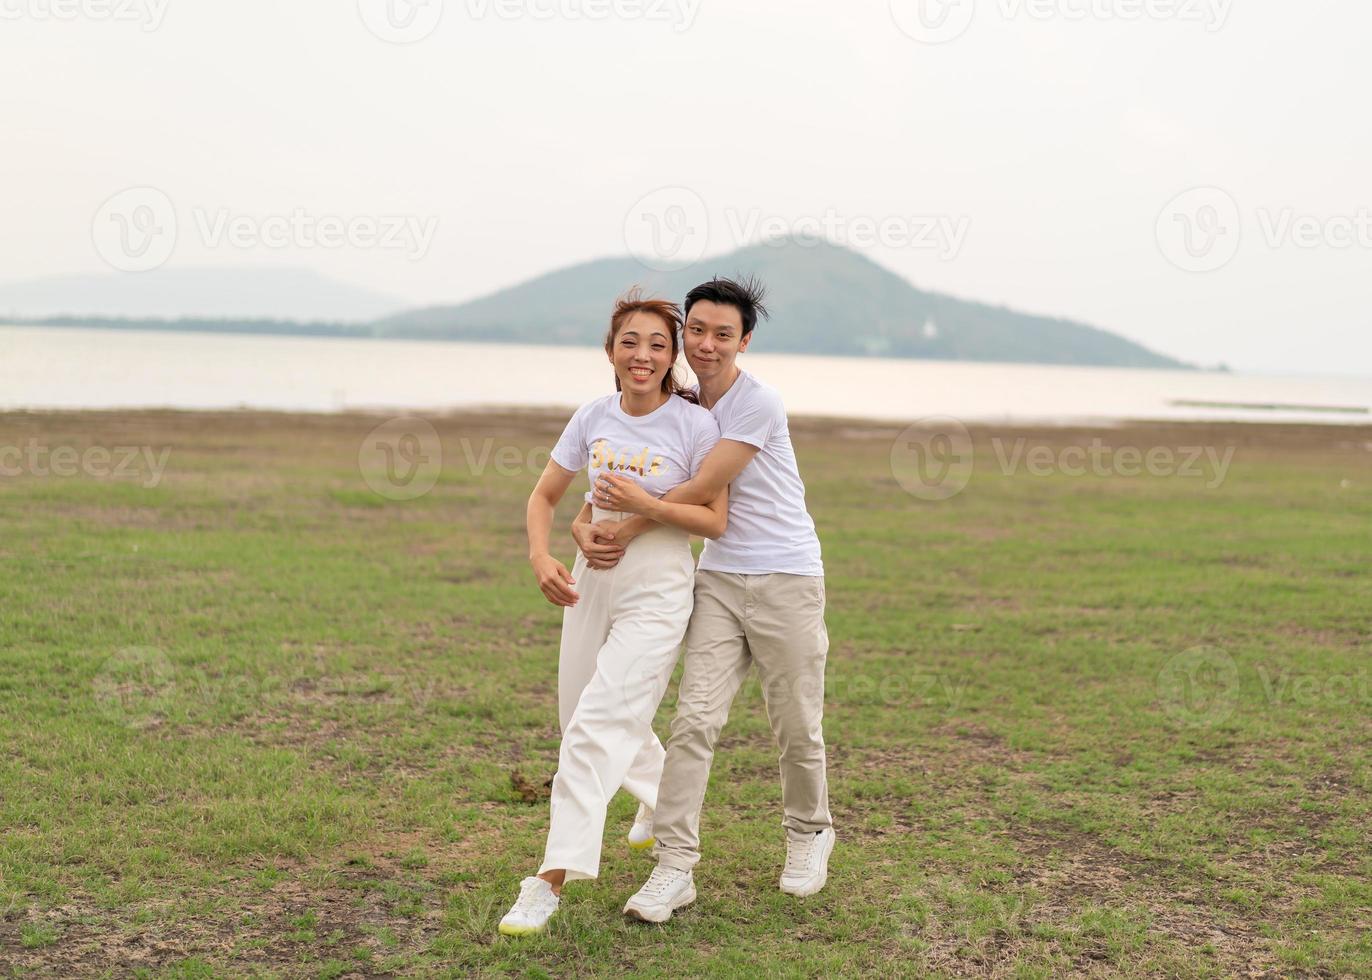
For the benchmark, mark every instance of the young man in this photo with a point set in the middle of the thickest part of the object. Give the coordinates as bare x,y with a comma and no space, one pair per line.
759,599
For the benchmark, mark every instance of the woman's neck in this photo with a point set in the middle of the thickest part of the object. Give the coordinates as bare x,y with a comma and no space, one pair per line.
644,404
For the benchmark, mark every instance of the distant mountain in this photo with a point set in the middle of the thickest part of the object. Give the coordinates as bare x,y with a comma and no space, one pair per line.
825,299
268,291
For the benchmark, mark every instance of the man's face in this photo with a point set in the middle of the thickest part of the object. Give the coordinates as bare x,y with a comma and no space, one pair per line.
713,338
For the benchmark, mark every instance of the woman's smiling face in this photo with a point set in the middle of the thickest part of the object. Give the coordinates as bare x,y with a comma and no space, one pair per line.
642,353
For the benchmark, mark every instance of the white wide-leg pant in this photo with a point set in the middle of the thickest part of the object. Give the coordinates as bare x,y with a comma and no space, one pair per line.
620,643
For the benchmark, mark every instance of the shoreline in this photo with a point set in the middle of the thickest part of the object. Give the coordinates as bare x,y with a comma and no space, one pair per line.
537,420
81,369
1221,370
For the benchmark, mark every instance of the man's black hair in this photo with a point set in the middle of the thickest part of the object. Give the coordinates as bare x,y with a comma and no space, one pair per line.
745,295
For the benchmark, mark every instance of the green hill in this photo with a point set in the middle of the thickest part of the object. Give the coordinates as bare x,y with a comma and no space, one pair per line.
825,299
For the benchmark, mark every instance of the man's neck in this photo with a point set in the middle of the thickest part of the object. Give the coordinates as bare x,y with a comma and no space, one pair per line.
717,387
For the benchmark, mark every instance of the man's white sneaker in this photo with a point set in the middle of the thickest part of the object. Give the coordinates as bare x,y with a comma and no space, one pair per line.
641,833
532,910
807,862
665,891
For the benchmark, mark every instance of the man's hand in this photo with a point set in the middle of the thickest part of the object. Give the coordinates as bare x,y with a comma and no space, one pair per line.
616,535
554,580
620,532
615,492
598,545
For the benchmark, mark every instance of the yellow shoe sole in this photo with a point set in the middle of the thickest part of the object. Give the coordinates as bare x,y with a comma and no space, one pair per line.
644,846
519,930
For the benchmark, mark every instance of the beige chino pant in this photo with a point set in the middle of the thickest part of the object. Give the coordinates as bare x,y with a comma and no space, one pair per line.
777,622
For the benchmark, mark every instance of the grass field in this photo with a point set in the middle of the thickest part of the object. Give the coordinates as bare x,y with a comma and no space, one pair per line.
258,718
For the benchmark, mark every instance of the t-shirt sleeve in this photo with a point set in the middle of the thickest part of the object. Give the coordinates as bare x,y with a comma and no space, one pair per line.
756,419
572,452
706,437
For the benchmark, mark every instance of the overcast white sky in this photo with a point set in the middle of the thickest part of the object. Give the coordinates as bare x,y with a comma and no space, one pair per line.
1056,133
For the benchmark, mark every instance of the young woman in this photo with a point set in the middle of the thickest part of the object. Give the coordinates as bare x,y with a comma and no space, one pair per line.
621,634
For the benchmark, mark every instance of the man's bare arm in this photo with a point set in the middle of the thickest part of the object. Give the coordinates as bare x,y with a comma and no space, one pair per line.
724,463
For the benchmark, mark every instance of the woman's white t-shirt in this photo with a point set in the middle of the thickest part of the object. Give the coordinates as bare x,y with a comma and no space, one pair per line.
658,451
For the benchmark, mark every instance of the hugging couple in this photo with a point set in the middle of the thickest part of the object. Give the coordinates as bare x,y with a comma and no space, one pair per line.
666,462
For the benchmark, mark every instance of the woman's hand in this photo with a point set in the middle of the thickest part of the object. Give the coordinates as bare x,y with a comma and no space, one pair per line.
554,580
616,492
597,544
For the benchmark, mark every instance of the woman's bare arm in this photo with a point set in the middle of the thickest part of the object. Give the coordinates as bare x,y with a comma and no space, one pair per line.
554,580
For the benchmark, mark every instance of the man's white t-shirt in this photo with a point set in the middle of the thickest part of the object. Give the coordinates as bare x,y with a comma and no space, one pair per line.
658,451
769,528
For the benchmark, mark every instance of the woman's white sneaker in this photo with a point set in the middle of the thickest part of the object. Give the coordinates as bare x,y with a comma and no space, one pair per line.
665,891
641,833
532,910
807,862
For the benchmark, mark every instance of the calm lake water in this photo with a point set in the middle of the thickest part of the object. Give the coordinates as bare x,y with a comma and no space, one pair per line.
75,368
